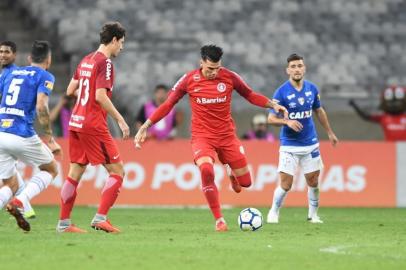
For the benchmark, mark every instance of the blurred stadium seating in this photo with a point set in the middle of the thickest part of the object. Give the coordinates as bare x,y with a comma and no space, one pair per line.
352,48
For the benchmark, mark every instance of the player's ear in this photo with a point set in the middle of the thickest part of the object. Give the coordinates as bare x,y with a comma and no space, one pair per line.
114,40
29,59
201,63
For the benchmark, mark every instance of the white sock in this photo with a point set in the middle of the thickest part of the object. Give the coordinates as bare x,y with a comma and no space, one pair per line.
5,195
21,183
278,197
38,183
99,218
313,196
21,186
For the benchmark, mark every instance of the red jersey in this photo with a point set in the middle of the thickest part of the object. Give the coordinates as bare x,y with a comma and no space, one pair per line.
93,72
394,126
210,101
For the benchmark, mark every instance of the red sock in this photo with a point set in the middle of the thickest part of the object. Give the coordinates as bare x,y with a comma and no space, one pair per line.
244,180
110,193
209,189
68,196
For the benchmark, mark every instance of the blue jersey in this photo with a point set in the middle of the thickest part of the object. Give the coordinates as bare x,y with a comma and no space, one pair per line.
7,69
19,89
300,105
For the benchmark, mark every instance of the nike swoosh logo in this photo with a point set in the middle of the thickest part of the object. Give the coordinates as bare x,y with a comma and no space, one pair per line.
116,157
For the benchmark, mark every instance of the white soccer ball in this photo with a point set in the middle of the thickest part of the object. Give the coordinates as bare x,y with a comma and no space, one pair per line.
250,219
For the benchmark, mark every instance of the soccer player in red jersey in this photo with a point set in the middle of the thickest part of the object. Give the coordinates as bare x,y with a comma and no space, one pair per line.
213,131
89,138
393,117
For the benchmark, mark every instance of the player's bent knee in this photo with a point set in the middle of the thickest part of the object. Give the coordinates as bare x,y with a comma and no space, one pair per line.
51,168
244,180
115,168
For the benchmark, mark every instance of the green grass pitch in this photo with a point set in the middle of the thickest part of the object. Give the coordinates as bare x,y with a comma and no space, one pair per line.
350,238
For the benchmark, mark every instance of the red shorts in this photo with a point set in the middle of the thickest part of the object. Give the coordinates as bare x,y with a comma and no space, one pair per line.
96,149
228,149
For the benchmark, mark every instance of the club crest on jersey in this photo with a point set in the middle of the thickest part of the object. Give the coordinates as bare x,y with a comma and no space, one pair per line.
221,87
196,77
301,100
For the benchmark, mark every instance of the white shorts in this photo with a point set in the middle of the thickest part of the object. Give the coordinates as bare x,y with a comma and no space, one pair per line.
290,162
28,150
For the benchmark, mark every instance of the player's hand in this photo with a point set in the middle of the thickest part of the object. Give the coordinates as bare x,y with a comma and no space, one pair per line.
140,136
295,125
279,109
55,148
333,138
125,129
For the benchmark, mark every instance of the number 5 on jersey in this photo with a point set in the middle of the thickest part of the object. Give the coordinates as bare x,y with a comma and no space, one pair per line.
13,91
83,85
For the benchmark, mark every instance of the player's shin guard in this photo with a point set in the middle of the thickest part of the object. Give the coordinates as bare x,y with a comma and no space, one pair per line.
5,195
313,195
36,185
244,180
68,196
109,193
278,198
209,189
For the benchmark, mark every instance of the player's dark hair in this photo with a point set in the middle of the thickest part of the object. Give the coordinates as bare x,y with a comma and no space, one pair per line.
161,86
10,44
111,30
294,57
40,51
211,52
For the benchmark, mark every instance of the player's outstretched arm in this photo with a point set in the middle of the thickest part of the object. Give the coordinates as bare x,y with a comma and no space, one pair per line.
273,119
45,122
105,103
278,108
156,116
363,114
323,119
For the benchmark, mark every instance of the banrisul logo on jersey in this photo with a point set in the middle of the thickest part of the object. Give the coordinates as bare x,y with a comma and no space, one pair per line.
211,100
300,115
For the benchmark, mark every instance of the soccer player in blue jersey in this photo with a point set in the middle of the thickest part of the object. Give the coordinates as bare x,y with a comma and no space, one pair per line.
299,145
8,53
25,96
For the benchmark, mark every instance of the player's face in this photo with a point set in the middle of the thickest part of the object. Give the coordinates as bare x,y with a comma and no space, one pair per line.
296,70
118,45
210,69
6,55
